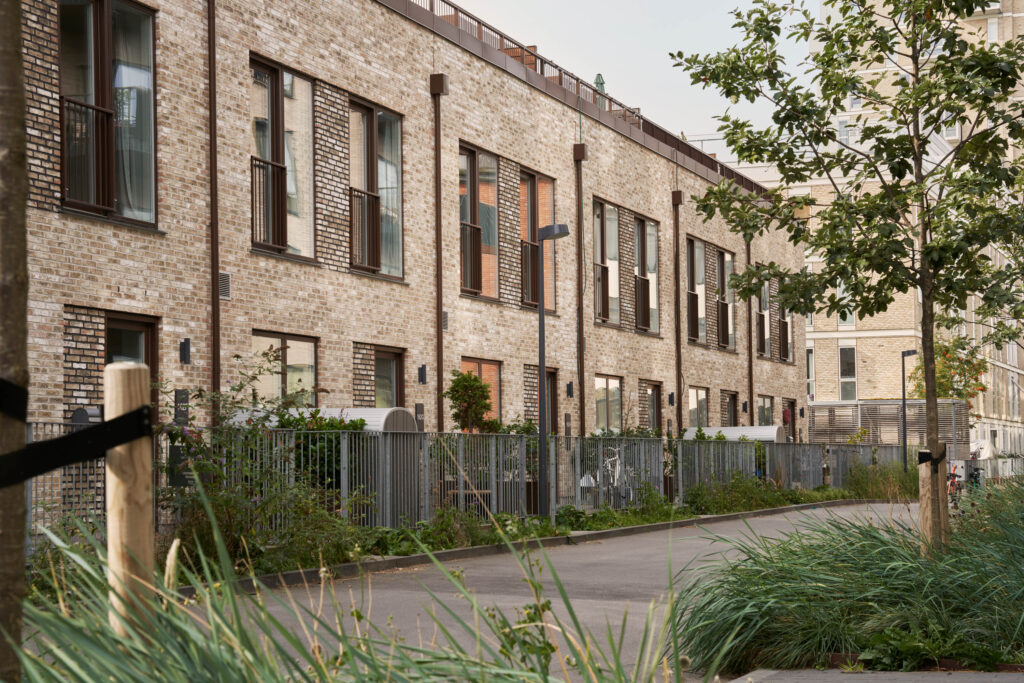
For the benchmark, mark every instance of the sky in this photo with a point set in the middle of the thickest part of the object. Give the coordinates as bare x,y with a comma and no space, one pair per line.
628,42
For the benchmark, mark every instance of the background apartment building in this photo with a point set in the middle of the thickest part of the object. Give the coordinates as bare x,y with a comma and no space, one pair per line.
381,169
850,359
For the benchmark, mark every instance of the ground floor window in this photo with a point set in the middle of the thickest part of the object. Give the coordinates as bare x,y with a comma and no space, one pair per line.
698,397
295,369
490,372
765,411
388,382
608,401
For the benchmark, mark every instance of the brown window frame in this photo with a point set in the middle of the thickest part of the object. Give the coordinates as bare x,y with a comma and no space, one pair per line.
471,266
707,406
530,248
104,172
654,387
149,326
480,362
602,287
771,404
785,329
732,410
692,325
642,283
283,345
398,355
370,197
621,380
551,374
721,301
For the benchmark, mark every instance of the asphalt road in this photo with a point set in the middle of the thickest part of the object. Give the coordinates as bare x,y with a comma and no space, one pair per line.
605,580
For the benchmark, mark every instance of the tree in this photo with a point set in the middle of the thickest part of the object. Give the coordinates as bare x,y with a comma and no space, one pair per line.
959,367
910,210
13,325
470,397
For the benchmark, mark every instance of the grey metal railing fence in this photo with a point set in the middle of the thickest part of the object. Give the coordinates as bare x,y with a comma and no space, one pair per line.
396,479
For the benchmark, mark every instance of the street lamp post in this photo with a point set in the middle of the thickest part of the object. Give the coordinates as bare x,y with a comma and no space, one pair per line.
548,232
903,384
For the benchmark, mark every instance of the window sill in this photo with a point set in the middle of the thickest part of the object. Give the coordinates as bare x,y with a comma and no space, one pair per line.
478,297
610,326
374,276
149,228
715,347
648,333
548,312
286,257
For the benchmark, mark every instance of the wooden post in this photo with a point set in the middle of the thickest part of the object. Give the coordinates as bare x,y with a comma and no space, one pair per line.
129,496
934,515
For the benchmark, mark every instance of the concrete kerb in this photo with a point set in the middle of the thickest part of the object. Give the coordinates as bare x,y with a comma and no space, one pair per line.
351,570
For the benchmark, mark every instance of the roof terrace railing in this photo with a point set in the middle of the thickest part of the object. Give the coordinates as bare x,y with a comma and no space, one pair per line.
528,57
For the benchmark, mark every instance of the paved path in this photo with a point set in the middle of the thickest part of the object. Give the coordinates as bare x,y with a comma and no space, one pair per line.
834,676
604,579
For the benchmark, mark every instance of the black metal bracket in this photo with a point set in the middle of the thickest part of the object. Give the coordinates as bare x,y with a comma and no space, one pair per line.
85,444
927,457
13,400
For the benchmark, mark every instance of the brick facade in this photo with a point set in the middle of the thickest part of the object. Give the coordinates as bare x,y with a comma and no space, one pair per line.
84,357
531,395
80,262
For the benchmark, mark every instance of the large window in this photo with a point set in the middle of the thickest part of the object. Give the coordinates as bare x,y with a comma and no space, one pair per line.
730,418
764,329
726,301
698,398
608,400
490,372
536,209
375,184
810,374
646,273
846,318
281,107
785,334
765,411
606,262
478,213
297,366
847,373
389,388
107,103
696,292
653,405
132,339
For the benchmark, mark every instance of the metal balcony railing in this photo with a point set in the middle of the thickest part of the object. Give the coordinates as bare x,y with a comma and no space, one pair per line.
365,230
268,220
87,170
472,275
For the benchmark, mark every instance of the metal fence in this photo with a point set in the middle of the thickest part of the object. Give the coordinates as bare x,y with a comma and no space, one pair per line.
395,479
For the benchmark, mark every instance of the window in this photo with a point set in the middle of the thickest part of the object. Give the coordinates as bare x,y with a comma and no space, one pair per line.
765,411
375,185
132,339
281,160
950,128
726,323
645,273
810,374
652,399
856,102
785,335
389,387
696,292
730,417
846,318
847,373
606,262
764,330
297,366
698,407
992,31
478,213
490,372
608,399
551,395
536,209
107,105
843,131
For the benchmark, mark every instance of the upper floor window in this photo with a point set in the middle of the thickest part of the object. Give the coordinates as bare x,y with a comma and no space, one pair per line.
646,273
606,262
608,403
478,213
847,373
810,373
375,185
764,329
106,93
296,371
281,106
726,301
785,334
696,292
536,209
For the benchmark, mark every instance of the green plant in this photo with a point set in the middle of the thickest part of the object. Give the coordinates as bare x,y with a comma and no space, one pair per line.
839,585
886,482
470,398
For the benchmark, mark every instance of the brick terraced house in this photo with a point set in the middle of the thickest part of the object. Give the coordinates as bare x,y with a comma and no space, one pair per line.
362,182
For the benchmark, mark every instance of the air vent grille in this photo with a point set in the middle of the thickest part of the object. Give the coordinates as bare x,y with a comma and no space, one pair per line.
225,286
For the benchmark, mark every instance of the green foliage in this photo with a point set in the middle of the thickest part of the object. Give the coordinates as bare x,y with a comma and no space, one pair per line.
470,398
959,367
906,210
882,482
839,585
700,435
741,493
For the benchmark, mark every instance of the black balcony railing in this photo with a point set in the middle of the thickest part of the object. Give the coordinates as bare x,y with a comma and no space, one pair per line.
602,304
723,323
472,277
268,219
784,340
762,334
88,166
692,322
365,230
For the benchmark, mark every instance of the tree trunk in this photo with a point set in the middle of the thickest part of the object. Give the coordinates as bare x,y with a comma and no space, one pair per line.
13,323
934,508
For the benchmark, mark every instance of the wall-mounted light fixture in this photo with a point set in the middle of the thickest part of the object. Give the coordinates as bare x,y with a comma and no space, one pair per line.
744,406
671,398
568,390
421,374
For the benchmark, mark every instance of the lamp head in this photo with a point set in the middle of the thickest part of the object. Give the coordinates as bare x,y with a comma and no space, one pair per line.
553,232
909,352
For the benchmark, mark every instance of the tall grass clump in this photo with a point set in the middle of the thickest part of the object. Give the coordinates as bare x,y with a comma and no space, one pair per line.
853,587
223,634
883,482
